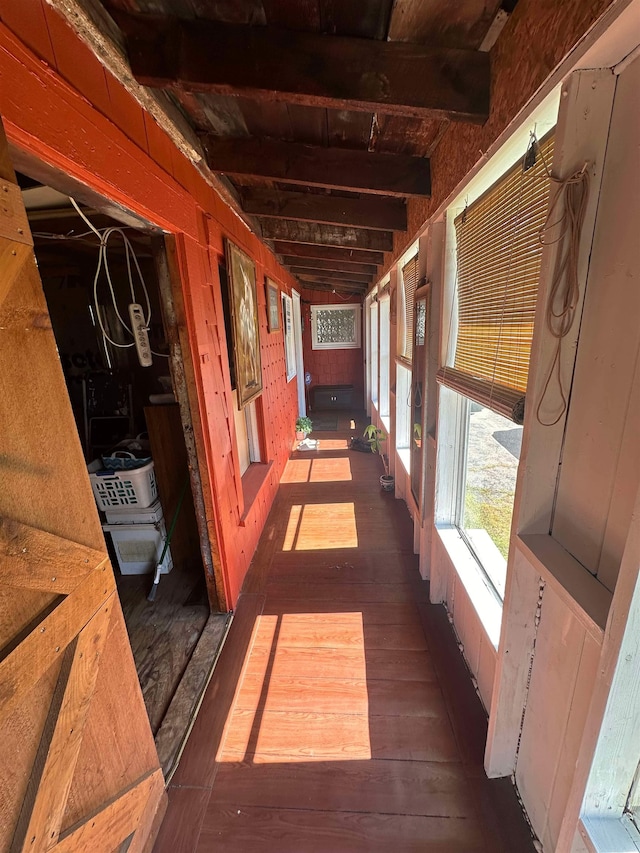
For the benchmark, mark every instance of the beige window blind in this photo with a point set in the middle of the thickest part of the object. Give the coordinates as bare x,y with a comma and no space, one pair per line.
498,268
409,284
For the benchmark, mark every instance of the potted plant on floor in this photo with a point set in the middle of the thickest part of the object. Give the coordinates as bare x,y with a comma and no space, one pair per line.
375,437
303,428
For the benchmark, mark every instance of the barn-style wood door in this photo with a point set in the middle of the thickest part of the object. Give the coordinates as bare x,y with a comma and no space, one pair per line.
78,766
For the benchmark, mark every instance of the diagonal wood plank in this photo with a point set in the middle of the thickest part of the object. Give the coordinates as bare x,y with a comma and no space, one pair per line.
34,559
52,774
329,253
12,258
23,666
114,821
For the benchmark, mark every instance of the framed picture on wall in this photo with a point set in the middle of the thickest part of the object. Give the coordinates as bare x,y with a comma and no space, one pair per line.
246,331
273,309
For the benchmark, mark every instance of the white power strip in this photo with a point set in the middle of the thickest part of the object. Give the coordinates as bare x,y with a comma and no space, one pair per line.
140,334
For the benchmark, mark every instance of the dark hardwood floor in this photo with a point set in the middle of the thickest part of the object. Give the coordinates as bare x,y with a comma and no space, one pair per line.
340,716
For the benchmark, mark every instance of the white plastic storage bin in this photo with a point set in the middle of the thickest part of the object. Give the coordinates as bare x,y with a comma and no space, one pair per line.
123,488
135,514
138,547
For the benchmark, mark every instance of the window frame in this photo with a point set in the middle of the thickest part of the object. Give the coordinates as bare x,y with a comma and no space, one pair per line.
331,345
288,337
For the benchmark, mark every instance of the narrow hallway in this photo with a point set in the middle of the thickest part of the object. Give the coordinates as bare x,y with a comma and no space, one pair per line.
354,725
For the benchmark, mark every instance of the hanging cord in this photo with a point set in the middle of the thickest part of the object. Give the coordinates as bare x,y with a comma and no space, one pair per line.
564,293
104,236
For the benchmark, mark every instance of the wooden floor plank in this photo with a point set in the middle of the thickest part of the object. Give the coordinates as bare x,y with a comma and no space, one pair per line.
347,593
393,787
312,736
400,665
340,716
341,696
250,829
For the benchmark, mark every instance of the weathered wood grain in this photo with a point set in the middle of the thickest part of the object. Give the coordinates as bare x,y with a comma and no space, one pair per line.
312,165
377,212
328,253
321,71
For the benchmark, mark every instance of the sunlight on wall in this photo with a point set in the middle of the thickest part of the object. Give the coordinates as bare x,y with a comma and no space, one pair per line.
316,527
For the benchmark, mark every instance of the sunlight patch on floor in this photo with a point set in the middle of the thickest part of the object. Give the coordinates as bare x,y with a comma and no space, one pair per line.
331,470
296,471
317,527
291,706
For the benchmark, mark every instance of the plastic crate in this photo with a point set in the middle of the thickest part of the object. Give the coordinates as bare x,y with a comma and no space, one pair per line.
138,547
123,488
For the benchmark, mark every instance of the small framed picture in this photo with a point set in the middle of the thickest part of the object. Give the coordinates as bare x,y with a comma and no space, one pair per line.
273,306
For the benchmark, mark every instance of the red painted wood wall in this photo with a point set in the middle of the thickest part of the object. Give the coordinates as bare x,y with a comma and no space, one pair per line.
61,105
335,366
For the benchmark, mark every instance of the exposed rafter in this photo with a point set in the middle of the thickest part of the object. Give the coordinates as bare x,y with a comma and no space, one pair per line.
310,69
386,214
355,278
327,235
321,266
313,165
328,253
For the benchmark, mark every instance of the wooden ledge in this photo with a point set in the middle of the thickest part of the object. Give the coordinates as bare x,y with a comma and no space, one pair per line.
252,481
587,598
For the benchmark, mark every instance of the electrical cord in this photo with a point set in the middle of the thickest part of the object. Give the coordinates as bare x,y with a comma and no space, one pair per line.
564,293
104,235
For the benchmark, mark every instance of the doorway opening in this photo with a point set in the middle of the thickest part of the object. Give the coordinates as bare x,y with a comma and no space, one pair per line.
127,411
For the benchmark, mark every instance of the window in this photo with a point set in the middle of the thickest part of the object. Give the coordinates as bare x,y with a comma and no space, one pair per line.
409,284
487,486
247,434
385,338
403,415
335,326
373,314
496,251
289,337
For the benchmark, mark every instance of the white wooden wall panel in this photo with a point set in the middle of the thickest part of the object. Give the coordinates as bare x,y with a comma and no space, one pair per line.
601,464
486,671
554,716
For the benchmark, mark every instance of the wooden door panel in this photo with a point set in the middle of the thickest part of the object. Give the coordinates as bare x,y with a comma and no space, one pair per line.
78,766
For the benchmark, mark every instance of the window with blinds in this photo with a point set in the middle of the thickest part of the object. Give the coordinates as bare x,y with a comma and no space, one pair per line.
409,284
498,268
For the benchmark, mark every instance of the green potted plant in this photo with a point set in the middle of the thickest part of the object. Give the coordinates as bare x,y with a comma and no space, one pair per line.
304,426
375,436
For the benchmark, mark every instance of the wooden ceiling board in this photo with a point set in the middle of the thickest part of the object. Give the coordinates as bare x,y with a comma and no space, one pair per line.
461,24
406,135
326,235
293,14
348,129
219,114
362,19
307,124
265,118
328,253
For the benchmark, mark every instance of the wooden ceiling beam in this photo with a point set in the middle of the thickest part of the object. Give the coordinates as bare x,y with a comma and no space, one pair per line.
310,69
328,253
385,214
327,235
355,287
330,288
397,175
320,265
332,275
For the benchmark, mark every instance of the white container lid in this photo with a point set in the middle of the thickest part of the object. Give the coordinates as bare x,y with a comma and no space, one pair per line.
135,514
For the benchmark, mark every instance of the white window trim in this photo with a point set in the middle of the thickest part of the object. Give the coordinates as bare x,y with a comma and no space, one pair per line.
355,344
288,337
